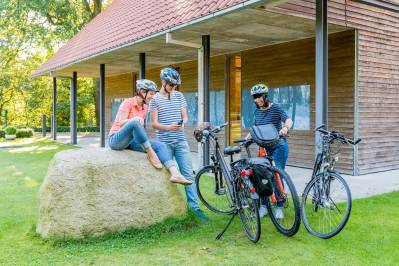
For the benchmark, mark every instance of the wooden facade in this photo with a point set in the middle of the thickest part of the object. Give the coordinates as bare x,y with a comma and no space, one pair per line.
377,85
363,82
284,64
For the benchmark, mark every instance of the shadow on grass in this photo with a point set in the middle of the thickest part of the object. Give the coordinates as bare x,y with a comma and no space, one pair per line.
173,226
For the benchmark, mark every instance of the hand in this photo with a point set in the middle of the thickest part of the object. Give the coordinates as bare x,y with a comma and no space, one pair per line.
284,131
175,127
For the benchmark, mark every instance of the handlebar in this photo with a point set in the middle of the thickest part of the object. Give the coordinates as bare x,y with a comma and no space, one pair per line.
336,135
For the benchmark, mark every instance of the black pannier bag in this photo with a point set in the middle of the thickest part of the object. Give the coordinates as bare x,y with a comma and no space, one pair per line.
265,136
262,177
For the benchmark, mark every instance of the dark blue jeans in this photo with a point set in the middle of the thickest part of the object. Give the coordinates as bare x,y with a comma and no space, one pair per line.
280,157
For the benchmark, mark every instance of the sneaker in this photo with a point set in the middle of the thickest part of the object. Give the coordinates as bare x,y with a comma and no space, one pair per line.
201,215
262,211
279,213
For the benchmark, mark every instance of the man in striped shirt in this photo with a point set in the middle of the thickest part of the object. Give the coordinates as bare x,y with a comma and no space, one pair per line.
168,110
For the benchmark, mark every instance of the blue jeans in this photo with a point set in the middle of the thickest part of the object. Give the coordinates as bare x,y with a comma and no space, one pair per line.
280,157
280,154
181,152
132,136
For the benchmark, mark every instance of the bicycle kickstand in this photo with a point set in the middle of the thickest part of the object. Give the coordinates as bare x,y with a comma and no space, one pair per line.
227,225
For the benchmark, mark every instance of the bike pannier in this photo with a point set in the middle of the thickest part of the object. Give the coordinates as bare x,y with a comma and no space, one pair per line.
265,136
262,177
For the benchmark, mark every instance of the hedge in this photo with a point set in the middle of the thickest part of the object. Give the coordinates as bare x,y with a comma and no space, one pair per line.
2,133
24,133
67,129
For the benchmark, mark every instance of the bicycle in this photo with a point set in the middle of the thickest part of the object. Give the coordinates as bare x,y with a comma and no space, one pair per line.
326,200
284,197
240,196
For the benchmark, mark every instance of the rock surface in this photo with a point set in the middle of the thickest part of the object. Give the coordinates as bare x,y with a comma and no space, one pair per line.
91,191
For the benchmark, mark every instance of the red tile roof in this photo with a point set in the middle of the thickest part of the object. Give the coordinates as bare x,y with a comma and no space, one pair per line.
127,21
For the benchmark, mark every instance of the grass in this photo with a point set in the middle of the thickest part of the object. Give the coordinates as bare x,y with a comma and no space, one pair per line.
370,237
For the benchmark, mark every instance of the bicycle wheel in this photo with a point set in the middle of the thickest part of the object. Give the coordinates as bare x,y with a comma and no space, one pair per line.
283,205
213,191
325,214
248,211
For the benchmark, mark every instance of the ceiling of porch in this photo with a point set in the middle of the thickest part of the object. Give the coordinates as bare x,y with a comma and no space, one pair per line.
242,30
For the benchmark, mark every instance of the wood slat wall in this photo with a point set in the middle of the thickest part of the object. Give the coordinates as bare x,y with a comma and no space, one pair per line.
293,63
378,76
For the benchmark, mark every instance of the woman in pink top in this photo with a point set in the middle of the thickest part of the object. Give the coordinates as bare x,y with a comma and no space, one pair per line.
127,131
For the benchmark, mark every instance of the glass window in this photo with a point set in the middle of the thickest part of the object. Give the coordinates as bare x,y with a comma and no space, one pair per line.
217,107
295,101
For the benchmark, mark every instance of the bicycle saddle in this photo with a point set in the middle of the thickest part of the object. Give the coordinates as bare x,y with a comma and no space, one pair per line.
230,150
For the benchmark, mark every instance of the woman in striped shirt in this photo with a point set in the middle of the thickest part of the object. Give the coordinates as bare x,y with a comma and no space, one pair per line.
269,113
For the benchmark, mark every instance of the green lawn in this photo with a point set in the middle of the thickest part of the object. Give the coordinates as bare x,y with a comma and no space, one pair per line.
370,237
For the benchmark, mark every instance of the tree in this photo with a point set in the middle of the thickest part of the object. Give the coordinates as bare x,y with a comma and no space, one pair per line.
30,30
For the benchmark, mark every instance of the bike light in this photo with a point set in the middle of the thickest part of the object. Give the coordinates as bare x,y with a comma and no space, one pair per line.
250,171
243,173
253,190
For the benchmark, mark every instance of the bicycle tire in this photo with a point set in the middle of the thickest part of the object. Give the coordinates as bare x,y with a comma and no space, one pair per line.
248,211
205,182
289,225
342,222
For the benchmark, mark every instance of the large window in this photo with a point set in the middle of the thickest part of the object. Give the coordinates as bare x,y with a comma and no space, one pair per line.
217,107
295,101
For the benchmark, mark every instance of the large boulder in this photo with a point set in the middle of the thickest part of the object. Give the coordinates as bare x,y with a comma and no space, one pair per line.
91,191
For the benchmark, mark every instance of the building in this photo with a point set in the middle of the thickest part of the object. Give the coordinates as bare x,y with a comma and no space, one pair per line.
248,42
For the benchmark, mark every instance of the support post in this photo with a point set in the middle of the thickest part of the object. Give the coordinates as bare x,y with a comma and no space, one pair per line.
102,105
44,125
205,78
142,66
321,67
54,115
73,115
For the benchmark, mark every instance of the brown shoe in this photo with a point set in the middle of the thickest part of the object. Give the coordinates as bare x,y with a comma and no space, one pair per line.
180,180
155,162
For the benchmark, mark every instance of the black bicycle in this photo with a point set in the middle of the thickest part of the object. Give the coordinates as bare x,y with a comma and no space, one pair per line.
226,188
326,200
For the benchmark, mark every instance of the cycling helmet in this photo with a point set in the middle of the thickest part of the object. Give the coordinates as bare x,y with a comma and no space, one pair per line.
146,84
171,75
260,89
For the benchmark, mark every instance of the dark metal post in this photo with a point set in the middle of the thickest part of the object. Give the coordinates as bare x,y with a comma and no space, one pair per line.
54,116
206,75
102,105
5,118
321,65
74,85
142,66
44,126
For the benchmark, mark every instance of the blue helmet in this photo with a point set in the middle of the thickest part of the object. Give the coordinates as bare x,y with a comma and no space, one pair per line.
171,75
146,84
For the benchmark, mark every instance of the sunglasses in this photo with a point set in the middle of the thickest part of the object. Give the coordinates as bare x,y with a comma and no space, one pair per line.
256,96
171,84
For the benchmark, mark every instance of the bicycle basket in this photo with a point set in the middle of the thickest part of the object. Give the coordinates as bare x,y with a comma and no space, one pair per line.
265,136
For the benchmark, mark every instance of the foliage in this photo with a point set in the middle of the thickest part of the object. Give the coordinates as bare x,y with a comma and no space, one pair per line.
68,129
24,133
2,133
30,32
10,130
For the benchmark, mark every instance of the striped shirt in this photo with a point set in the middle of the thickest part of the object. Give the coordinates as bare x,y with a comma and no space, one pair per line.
274,115
169,112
